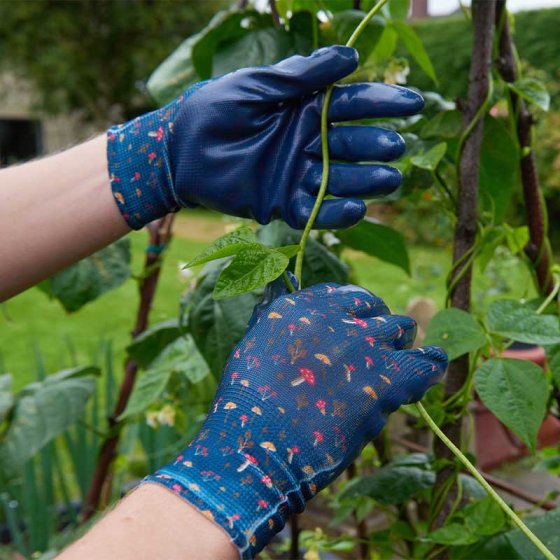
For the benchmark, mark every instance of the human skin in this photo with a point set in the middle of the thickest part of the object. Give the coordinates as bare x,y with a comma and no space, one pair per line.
54,212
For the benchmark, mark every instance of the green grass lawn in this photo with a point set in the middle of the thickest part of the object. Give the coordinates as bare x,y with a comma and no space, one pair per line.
31,321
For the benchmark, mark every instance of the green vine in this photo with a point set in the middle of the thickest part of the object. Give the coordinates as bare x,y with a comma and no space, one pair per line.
299,266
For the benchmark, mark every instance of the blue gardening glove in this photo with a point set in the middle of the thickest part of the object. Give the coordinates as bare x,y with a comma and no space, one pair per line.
310,384
248,144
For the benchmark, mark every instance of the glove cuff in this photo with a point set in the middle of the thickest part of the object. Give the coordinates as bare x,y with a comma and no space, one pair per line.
250,490
139,170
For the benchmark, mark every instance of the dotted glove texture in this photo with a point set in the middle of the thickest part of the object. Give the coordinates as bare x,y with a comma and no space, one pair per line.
310,384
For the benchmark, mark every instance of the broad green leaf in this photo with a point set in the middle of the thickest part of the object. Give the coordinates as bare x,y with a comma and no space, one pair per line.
386,45
264,44
533,91
319,265
553,362
516,391
451,534
88,279
224,28
343,25
416,49
250,269
399,8
72,373
430,160
391,484
520,323
175,74
456,331
225,246
284,7
289,250
492,240
180,357
6,395
515,545
483,517
446,124
147,346
217,326
379,241
42,415
499,165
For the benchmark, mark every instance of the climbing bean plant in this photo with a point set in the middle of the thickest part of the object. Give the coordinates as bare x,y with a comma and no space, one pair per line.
435,502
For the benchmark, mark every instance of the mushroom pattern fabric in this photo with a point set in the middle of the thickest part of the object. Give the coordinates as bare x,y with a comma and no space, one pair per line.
309,385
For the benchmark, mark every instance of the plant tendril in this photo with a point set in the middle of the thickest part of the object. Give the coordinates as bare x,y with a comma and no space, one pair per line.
325,147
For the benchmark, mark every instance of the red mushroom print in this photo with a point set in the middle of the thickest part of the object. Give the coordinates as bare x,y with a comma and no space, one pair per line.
291,328
318,438
262,504
266,392
321,405
249,460
370,340
234,376
294,450
369,362
349,370
266,480
305,374
232,518
237,353
243,419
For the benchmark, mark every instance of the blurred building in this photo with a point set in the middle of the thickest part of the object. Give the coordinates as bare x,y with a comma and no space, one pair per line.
25,133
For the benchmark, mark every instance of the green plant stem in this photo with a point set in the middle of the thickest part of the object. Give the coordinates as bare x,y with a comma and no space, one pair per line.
325,148
288,282
495,496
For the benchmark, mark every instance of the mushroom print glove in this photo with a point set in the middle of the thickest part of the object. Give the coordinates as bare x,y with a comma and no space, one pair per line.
248,144
310,384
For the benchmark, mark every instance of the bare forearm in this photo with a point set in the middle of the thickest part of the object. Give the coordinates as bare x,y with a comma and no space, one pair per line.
153,524
54,212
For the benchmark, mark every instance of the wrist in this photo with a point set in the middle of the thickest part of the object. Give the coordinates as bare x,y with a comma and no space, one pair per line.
238,478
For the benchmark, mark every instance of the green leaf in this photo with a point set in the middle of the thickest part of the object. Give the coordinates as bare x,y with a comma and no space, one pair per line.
180,357
217,326
40,416
533,91
499,165
6,395
447,124
289,250
399,9
175,74
456,331
516,391
250,269
516,321
451,534
264,44
492,240
344,23
225,27
430,160
483,517
553,362
416,49
391,484
319,265
379,241
386,45
148,345
225,246
517,238
72,373
88,279
515,545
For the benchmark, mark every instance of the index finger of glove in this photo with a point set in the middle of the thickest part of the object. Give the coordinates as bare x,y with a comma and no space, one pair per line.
359,302
371,101
302,75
